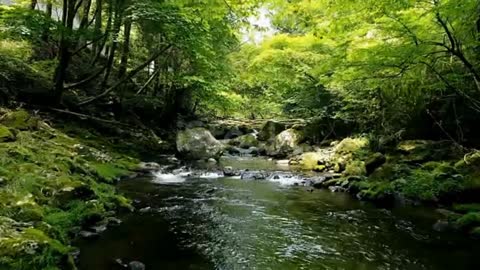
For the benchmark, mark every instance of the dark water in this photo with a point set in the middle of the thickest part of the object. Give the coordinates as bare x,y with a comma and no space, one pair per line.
227,223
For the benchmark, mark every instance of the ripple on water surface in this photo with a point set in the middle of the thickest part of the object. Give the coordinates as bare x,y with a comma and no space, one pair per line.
223,223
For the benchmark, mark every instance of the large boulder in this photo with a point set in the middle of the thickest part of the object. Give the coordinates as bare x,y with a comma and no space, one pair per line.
270,130
312,160
245,141
197,144
374,161
350,145
285,143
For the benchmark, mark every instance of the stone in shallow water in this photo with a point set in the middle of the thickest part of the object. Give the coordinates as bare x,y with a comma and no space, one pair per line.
88,235
136,265
248,175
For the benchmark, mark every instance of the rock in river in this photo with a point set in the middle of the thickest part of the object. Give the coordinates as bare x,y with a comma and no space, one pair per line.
285,143
270,130
254,175
197,144
135,265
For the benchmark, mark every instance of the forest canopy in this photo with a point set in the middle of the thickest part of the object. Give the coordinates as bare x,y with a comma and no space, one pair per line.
389,67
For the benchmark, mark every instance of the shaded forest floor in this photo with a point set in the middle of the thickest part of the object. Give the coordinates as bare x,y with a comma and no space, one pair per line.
57,179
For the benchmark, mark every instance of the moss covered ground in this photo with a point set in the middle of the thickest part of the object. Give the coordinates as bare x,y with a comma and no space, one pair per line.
414,172
53,184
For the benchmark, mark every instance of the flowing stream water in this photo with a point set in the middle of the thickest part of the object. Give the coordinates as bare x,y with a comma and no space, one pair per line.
212,222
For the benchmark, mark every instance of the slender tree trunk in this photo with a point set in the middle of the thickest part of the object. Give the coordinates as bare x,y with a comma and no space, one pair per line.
64,55
98,24
114,44
49,9
126,48
86,13
127,77
46,32
33,4
84,21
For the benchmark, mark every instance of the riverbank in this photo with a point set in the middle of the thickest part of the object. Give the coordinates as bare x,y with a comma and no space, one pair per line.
57,184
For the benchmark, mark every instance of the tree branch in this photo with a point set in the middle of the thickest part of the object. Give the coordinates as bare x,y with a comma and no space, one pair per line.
126,78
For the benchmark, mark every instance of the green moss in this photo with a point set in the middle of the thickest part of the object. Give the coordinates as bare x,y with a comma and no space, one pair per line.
108,172
377,191
20,119
5,134
52,181
351,145
466,208
355,168
468,221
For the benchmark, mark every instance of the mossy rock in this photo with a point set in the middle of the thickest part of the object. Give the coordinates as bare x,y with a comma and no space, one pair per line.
320,168
355,168
351,145
20,120
470,163
310,160
245,141
270,130
6,134
374,161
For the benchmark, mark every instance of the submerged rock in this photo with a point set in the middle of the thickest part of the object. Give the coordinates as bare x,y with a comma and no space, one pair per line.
441,226
148,167
88,235
136,265
197,144
253,175
229,171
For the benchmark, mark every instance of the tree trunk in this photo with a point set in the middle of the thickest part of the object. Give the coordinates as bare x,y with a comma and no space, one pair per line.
126,48
98,24
64,49
130,75
33,4
49,9
114,44
86,13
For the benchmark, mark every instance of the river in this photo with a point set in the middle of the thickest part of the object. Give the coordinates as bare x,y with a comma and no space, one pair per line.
225,223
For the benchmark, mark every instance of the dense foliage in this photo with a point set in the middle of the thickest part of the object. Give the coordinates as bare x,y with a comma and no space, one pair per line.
152,58
395,67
